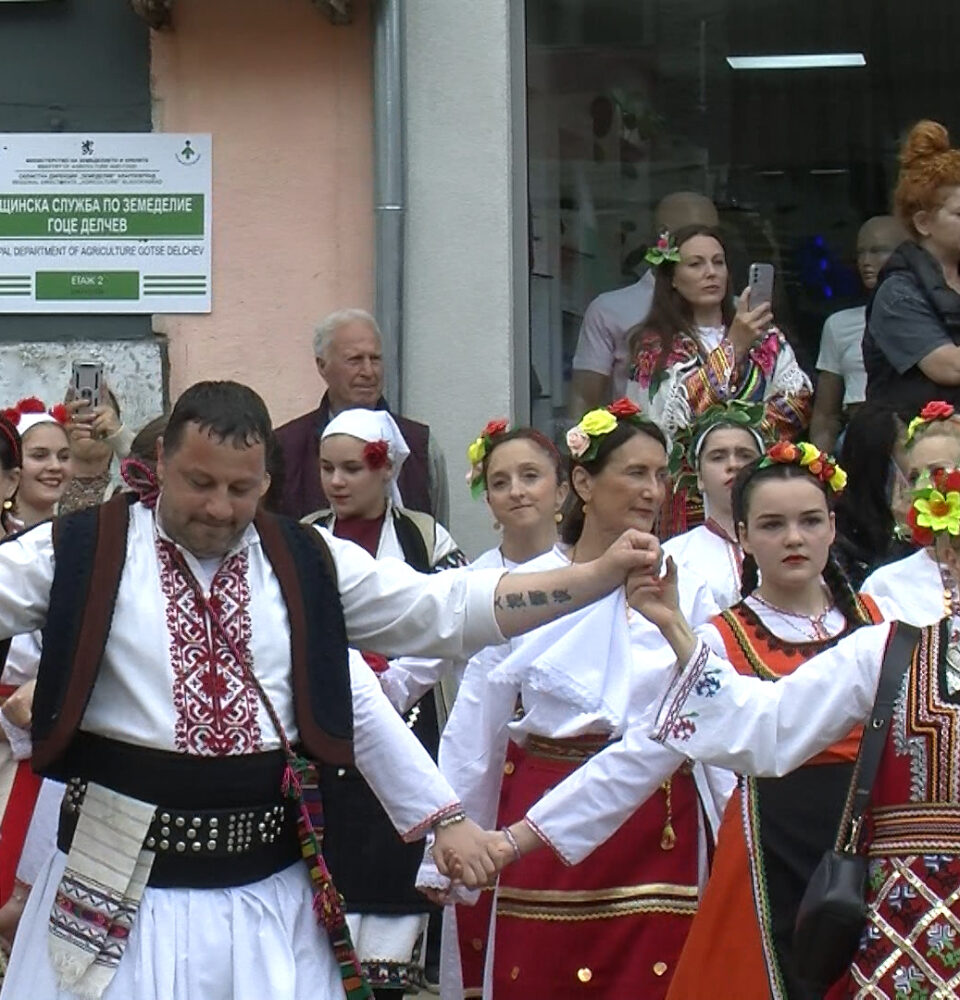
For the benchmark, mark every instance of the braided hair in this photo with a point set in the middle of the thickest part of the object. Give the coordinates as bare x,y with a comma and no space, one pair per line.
841,593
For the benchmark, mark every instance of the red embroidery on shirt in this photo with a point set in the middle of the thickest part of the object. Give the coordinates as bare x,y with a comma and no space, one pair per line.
216,707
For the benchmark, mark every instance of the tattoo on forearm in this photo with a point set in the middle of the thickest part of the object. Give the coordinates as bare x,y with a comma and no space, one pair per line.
532,598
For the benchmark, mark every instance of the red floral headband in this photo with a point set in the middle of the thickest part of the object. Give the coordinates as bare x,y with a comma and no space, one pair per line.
32,406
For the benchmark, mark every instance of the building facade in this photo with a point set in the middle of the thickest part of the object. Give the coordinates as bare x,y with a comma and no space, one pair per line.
537,137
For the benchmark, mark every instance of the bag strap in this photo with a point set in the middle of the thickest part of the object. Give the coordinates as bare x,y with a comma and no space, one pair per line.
896,659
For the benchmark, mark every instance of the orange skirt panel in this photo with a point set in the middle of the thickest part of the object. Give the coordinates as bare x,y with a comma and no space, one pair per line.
723,955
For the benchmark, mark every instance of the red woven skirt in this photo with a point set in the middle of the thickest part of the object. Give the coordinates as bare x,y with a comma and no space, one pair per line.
613,925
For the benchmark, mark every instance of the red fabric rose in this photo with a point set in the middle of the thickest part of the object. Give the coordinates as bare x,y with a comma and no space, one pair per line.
494,427
31,405
622,408
375,454
937,409
12,414
784,451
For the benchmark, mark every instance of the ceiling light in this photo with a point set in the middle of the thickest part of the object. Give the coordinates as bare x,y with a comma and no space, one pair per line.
813,60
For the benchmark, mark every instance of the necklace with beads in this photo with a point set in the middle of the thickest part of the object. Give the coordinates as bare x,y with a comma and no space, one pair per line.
816,623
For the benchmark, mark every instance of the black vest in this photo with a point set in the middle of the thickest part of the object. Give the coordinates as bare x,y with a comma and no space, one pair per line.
90,550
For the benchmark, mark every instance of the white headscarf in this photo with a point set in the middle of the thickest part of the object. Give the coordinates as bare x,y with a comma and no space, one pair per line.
373,425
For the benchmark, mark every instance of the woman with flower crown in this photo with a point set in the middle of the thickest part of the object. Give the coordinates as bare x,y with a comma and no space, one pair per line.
616,923
522,477
361,454
707,455
36,449
931,441
696,349
911,837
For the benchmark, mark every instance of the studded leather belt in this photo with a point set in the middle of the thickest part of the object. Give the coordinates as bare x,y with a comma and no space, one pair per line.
219,822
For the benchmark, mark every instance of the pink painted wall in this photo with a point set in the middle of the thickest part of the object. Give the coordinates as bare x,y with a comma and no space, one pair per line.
287,98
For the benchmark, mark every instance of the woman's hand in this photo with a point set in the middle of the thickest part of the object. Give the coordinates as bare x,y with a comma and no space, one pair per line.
749,325
656,598
18,708
659,602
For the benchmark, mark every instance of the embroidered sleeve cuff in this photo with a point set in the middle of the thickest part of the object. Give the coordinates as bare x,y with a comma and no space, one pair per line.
424,827
553,847
672,722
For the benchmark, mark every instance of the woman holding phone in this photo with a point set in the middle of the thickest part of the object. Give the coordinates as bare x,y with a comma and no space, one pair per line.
698,348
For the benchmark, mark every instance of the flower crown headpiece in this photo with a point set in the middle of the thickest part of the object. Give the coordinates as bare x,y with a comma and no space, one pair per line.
583,440
935,509
478,451
933,411
689,438
30,408
808,456
663,249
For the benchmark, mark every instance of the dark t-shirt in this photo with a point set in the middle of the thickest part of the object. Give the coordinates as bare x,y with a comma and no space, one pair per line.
902,329
905,327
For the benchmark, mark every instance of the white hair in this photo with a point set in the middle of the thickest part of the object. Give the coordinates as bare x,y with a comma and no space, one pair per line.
326,329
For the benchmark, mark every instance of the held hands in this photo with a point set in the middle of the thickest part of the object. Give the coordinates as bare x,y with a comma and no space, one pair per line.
748,325
466,853
633,554
473,857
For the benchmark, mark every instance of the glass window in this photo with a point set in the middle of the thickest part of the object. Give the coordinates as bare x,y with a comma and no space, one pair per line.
632,100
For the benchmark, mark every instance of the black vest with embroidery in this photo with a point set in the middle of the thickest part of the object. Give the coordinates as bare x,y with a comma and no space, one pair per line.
90,550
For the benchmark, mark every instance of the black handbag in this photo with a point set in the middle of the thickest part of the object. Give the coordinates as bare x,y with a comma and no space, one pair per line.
833,911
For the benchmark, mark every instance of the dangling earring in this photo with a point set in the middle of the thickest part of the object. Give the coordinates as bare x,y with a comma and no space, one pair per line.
496,525
558,517
584,507
8,504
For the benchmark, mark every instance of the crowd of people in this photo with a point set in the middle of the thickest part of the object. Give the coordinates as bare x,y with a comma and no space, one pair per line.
246,671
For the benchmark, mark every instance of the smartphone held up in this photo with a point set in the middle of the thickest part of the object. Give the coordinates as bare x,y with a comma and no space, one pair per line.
87,382
761,284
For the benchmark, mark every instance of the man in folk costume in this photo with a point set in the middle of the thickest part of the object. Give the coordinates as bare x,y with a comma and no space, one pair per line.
191,651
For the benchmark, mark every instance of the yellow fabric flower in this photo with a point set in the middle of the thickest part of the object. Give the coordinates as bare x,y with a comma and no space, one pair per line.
598,422
476,451
838,481
809,453
938,512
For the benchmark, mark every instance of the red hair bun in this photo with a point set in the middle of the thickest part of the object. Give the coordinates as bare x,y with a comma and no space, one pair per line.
925,140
